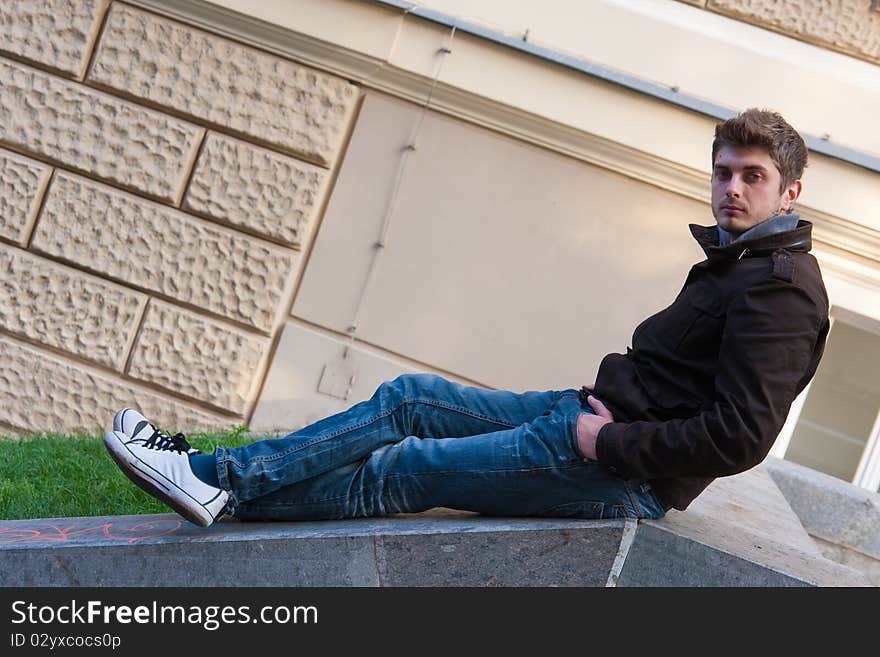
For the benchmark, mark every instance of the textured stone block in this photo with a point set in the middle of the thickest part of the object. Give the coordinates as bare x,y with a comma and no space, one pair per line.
845,25
41,392
95,133
57,34
22,183
163,250
255,188
181,351
66,309
273,100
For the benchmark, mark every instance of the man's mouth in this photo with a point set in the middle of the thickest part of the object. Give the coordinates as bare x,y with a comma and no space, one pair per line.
732,208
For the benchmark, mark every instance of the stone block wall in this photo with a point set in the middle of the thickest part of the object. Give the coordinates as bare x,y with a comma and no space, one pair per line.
848,26
158,185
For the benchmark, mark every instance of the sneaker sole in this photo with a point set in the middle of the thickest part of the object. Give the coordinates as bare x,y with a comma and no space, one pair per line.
170,495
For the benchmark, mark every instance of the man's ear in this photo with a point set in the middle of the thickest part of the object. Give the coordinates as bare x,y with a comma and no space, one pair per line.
791,194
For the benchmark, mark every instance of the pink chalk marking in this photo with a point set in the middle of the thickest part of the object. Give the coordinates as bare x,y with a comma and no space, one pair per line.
109,530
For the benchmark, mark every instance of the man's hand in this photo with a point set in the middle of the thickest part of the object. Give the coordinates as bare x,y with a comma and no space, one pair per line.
588,427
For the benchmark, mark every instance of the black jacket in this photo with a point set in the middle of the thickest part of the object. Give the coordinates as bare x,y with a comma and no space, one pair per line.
708,382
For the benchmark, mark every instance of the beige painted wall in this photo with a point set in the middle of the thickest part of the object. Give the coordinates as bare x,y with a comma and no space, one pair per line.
504,264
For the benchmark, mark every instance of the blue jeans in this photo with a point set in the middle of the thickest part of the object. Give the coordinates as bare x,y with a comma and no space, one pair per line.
421,442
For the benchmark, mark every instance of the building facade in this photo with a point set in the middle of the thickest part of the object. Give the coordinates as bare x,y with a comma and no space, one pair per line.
233,213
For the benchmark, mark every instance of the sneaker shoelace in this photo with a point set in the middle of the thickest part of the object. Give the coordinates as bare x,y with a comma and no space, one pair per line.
164,442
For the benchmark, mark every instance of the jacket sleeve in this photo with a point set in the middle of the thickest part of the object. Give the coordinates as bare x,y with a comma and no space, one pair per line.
770,334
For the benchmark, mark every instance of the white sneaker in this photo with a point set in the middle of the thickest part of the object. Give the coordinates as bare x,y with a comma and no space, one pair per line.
159,464
133,424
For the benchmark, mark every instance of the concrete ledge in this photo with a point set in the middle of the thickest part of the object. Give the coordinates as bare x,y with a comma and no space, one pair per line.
434,550
740,532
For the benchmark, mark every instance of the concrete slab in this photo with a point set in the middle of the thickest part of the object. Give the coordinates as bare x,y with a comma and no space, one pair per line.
739,532
751,502
439,548
165,550
567,556
832,509
854,559
660,556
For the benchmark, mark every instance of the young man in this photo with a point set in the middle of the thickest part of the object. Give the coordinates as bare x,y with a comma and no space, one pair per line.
702,393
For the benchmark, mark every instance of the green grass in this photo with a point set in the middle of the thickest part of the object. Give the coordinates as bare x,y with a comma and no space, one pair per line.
57,476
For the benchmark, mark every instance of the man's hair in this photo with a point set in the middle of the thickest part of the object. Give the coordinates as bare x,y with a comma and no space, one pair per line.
756,127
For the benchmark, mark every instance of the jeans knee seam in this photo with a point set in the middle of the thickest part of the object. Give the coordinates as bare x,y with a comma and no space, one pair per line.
316,441
404,402
458,409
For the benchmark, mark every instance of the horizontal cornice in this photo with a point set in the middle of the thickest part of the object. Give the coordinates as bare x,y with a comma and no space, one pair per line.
375,73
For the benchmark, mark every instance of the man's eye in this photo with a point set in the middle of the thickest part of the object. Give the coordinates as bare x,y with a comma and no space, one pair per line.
754,177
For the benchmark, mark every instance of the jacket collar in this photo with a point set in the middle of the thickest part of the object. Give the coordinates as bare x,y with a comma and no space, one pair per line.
798,239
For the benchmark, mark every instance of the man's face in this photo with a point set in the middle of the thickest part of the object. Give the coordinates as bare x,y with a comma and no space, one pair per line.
745,188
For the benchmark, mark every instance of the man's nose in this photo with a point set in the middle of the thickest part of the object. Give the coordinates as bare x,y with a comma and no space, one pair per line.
734,187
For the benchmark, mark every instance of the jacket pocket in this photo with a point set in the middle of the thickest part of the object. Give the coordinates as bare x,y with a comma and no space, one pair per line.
679,380
705,298
702,339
